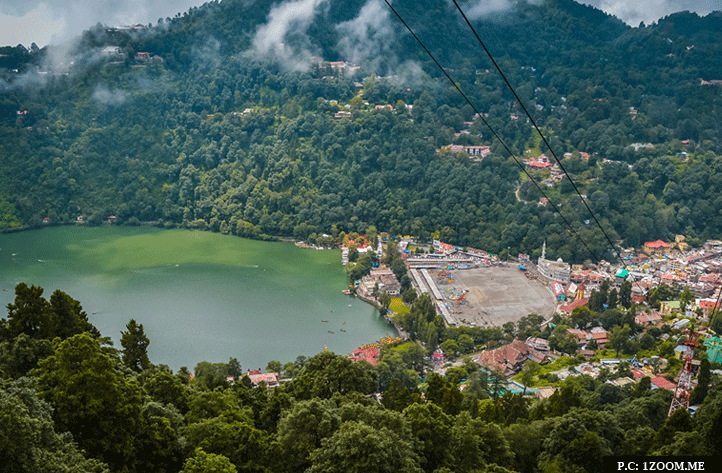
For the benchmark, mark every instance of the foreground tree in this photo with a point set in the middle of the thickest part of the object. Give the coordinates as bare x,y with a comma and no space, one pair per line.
92,400
359,448
135,347
28,440
202,462
31,314
21,354
328,373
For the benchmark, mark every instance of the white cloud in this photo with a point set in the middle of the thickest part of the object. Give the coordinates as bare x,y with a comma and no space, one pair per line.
52,21
293,17
485,7
109,97
369,35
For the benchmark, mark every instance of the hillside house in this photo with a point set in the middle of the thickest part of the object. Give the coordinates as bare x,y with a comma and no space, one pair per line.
385,279
477,150
510,358
707,306
569,308
656,248
667,307
271,379
647,319
111,52
537,343
370,354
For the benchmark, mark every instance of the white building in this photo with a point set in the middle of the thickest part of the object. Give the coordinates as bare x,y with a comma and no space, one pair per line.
555,270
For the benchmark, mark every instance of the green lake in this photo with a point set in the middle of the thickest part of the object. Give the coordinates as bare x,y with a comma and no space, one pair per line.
200,296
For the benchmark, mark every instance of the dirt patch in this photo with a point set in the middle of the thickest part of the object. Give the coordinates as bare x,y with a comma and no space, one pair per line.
496,295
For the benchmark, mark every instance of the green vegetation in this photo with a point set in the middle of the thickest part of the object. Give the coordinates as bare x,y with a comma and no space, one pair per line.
397,305
172,142
78,404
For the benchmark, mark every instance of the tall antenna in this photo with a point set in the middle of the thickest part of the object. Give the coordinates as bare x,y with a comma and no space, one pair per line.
684,386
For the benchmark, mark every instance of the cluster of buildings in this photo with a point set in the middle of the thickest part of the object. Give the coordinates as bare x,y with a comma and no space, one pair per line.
381,278
511,358
542,162
476,153
256,377
656,263
334,68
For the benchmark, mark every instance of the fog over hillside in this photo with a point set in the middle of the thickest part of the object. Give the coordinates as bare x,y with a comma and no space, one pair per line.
51,21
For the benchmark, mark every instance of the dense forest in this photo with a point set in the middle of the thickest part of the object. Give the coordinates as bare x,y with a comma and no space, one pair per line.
71,402
223,126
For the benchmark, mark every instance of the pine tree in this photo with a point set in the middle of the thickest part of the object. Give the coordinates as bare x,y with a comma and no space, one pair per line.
135,347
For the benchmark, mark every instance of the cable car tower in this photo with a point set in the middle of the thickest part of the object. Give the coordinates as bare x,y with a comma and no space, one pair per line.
684,386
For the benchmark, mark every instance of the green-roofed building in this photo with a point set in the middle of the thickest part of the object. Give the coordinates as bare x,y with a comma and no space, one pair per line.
714,349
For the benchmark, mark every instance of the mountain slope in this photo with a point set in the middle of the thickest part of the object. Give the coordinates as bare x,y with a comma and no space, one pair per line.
232,126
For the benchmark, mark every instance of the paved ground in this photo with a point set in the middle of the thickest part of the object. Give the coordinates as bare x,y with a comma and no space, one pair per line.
497,295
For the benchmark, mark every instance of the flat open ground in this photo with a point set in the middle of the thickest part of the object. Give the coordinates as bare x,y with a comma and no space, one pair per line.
497,295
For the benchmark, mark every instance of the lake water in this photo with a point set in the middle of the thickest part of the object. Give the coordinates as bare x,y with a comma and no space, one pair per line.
200,296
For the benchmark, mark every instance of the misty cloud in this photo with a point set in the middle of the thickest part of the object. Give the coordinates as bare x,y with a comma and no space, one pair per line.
53,21
484,8
286,20
109,97
369,36
209,54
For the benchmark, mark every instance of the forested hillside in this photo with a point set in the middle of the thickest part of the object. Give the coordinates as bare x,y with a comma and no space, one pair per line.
71,402
228,124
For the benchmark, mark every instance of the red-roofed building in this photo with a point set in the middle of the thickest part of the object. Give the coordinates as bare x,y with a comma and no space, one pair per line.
586,276
707,305
369,354
568,308
601,338
646,320
656,247
271,379
710,278
672,280
538,163
661,383
582,335
446,246
510,358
